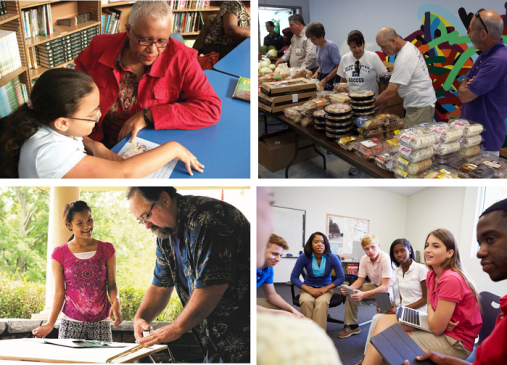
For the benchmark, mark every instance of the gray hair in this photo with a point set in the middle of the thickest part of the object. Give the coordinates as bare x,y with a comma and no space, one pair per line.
495,26
315,29
297,18
159,10
390,33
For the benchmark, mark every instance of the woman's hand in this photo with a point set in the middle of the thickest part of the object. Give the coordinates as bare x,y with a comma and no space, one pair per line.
42,331
134,124
323,83
116,312
451,325
314,76
315,292
391,311
187,158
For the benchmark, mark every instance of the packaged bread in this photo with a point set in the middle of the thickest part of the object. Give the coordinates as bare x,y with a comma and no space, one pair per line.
415,155
347,143
400,174
307,121
441,173
468,152
439,126
324,95
498,164
472,130
451,135
417,141
368,148
465,169
460,123
471,141
312,105
294,113
386,159
446,148
368,122
388,119
341,87
283,72
414,168
339,98
317,83
372,133
297,72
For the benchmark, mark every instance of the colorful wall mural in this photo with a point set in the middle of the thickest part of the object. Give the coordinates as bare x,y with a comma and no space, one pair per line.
448,51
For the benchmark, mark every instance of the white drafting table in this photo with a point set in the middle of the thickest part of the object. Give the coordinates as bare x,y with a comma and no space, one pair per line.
35,350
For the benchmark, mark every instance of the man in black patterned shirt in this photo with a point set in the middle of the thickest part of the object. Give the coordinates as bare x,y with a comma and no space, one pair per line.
203,250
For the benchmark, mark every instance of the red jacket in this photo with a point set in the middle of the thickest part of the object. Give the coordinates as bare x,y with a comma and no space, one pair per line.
175,89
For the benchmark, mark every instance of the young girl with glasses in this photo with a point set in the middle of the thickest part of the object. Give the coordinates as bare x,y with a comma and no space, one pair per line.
84,270
47,137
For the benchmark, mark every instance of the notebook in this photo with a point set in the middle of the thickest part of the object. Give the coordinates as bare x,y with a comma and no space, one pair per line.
396,346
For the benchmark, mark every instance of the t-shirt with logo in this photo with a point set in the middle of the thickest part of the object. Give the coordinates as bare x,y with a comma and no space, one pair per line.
370,66
411,73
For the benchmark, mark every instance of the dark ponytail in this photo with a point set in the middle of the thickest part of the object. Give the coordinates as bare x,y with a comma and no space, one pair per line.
72,208
57,93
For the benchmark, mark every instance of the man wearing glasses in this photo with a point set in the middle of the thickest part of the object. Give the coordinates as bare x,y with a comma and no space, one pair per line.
145,78
203,250
483,91
410,79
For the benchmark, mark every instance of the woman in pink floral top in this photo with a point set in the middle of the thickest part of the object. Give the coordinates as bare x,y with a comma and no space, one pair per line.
85,271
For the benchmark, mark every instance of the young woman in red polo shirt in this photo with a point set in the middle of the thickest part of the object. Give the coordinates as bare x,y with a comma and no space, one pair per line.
452,297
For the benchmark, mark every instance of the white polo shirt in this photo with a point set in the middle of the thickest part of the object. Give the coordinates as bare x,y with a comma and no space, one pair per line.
410,284
377,270
49,154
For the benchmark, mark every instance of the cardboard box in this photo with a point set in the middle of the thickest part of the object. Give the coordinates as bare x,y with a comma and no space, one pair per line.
287,87
276,152
389,66
275,104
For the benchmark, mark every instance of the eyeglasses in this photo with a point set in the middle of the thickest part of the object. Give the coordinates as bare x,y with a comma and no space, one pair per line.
478,16
142,220
358,70
161,43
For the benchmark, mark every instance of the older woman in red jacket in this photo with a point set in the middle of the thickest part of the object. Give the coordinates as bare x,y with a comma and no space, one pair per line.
147,78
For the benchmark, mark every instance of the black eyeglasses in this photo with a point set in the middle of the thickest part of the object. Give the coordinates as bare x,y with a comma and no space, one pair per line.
86,120
478,16
161,43
142,220
358,69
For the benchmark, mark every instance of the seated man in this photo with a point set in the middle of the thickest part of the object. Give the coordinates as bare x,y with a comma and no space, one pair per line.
146,78
492,239
376,265
273,303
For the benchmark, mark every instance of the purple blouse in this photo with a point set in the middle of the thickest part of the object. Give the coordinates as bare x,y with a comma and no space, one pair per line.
85,283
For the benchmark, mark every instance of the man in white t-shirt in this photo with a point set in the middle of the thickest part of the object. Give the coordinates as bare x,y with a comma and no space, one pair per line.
410,78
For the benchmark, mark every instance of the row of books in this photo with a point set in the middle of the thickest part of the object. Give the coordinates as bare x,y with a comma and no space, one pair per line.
111,21
189,4
73,21
352,269
12,95
9,52
3,8
187,22
38,21
54,53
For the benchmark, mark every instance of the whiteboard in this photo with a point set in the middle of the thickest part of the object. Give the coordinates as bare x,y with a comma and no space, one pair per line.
290,225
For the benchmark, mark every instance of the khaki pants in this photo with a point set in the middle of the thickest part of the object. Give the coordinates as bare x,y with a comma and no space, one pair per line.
264,303
442,343
315,308
414,116
351,308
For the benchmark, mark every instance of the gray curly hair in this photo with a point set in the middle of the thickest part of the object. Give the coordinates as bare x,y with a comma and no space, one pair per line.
159,10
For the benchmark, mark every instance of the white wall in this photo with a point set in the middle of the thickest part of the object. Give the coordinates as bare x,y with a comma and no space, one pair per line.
341,17
386,212
304,4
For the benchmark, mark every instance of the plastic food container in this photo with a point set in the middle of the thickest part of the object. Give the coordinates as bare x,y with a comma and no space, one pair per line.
348,143
471,141
312,105
361,95
442,173
368,102
373,133
339,123
482,172
324,95
444,159
340,98
293,113
339,130
320,127
307,121
341,87
473,130
391,127
320,115
368,148
417,140
470,151
414,168
338,109
446,148
415,155
386,160
496,163
368,122
451,135
336,137
363,113
383,78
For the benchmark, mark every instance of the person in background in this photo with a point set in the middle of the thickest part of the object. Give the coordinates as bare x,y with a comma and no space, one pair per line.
273,303
315,347
287,38
328,55
452,296
359,68
301,52
376,265
492,239
317,290
484,89
410,79
230,27
145,78
274,39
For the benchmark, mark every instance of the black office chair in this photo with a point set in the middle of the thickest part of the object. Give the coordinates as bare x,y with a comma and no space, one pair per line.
489,316
335,301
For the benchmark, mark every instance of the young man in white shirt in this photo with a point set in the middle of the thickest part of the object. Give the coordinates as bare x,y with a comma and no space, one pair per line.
376,265
273,303
410,78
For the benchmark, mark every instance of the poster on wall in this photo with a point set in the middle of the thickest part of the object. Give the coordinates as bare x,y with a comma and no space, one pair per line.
345,232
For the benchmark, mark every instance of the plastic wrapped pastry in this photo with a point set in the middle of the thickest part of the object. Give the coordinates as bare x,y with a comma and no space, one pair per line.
446,148
414,168
415,155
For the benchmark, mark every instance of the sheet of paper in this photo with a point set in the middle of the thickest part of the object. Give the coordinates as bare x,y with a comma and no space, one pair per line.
142,145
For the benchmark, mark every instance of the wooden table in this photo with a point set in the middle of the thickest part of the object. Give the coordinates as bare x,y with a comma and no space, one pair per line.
30,349
319,139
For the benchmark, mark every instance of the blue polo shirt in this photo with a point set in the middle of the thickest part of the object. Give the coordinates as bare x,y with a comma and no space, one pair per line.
265,276
328,56
490,86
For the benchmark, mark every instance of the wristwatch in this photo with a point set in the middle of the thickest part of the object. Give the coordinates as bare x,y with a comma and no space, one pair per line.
146,119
